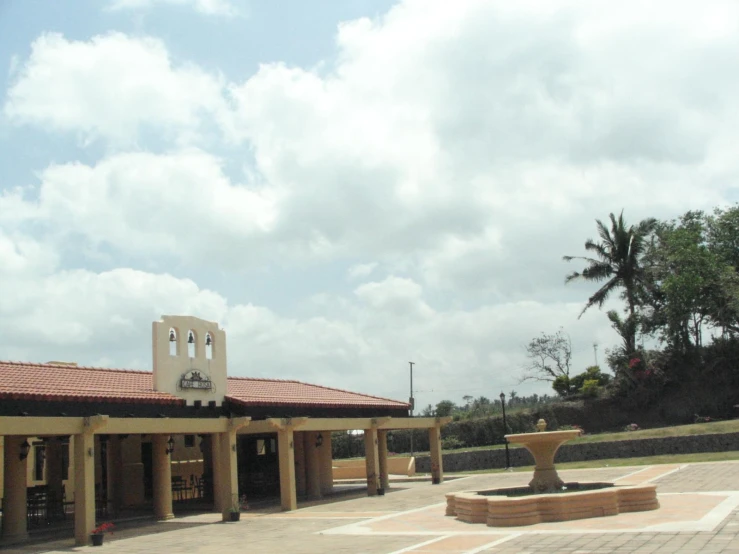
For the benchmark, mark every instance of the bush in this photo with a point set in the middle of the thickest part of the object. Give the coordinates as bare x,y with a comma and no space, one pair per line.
451,443
590,388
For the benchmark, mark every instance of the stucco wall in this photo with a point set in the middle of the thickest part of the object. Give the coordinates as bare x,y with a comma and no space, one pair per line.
357,469
491,459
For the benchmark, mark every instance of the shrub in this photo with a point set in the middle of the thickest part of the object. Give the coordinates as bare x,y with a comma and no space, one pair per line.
451,443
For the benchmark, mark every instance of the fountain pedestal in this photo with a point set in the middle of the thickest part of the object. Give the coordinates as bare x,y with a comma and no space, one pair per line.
543,447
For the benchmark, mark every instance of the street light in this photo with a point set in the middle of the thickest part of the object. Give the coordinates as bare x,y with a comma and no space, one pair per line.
505,432
412,402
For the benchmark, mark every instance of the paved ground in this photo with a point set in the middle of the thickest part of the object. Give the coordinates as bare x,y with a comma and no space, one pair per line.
699,513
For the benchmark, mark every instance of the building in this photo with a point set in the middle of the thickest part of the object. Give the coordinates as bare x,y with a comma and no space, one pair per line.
93,441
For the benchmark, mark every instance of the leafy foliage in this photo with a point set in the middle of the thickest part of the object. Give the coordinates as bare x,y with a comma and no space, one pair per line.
617,262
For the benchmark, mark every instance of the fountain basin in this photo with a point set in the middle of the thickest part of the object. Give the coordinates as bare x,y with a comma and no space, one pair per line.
496,509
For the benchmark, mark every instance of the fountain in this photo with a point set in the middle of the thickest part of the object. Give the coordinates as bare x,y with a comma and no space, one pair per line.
548,498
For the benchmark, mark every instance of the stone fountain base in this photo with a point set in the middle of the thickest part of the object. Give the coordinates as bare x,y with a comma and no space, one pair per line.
497,510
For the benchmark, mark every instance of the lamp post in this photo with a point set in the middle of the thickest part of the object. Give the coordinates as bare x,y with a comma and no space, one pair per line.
412,403
505,432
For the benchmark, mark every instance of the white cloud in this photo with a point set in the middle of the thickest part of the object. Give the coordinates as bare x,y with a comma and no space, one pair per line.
463,148
111,86
360,271
105,317
178,205
206,7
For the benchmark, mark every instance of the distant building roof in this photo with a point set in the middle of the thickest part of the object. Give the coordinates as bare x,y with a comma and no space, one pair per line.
62,381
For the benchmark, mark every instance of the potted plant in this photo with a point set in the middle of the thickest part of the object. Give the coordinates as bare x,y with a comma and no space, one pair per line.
235,510
98,533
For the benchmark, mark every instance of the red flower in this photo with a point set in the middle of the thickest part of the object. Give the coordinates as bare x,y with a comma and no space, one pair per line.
103,528
633,362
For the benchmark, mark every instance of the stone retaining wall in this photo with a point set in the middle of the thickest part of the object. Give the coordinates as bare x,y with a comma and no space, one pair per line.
493,459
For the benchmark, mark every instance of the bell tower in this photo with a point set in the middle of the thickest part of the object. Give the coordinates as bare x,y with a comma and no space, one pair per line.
189,359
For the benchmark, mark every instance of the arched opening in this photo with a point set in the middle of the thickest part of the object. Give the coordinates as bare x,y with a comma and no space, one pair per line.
172,342
191,344
208,346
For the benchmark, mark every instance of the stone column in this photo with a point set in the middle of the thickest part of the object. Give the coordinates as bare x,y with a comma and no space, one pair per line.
437,467
312,465
228,474
372,460
382,454
300,463
327,465
162,477
14,489
286,452
84,487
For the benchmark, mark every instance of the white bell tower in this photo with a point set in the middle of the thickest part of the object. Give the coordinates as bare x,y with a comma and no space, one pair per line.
189,357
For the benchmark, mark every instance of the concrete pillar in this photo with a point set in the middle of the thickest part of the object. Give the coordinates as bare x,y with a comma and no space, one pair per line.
215,452
162,477
437,467
312,465
14,489
300,463
84,487
229,479
133,471
382,454
286,452
115,471
372,460
327,465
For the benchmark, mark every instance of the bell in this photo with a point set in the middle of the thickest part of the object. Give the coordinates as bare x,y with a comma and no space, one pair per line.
172,336
190,339
208,342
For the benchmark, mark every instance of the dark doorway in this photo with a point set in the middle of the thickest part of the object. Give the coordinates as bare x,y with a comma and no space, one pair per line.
259,468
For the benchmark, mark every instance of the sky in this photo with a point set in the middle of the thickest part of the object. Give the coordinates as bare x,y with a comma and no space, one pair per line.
347,185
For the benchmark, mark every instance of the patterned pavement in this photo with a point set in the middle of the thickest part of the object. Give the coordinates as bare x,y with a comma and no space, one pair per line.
699,513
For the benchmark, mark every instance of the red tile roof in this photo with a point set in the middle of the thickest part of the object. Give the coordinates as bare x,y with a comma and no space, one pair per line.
275,392
55,381
65,382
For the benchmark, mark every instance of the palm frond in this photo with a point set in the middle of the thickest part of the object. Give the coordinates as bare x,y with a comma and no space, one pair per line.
597,272
598,248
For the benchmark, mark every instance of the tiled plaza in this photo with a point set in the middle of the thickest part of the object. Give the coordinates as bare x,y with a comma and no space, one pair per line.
699,513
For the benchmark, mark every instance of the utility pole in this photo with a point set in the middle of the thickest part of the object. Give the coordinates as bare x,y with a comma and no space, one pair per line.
595,352
412,402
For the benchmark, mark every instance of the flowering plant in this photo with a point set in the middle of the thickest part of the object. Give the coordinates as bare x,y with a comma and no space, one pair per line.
631,427
103,528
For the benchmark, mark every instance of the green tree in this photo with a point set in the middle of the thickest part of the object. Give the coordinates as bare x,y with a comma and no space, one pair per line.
617,263
445,408
694,283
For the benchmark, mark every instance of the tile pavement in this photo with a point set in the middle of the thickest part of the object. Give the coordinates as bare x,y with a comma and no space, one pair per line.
700,513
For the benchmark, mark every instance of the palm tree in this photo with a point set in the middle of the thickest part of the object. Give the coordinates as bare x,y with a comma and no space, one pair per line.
617,261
